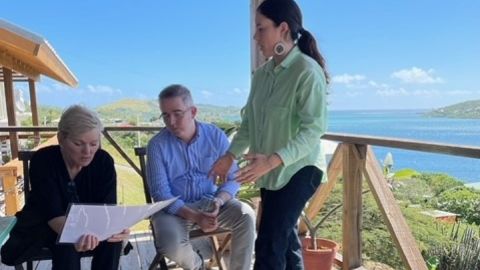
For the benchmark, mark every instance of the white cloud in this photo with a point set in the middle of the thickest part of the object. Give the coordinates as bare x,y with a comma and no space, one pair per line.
460,93
206,93
426,93
238,91
392,92
417,75
347,78
103,89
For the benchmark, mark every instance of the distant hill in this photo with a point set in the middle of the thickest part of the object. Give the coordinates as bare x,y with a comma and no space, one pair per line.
133,110
467,109
129,110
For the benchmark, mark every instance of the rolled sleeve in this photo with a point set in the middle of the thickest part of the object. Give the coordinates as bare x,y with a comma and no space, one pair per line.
231,186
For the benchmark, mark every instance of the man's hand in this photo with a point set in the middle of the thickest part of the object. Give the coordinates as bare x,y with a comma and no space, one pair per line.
86,242
221,167
208,220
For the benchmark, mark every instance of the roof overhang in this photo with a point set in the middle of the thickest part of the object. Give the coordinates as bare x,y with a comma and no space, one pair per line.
31,55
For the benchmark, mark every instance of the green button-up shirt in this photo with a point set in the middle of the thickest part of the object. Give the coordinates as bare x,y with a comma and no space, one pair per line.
286,114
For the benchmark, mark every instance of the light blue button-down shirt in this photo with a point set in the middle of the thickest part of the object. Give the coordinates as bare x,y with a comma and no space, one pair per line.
176,168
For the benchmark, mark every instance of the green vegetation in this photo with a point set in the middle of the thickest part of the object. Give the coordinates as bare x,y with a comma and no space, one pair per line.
405,174
414,195
467,109
462,254
141,112
461,200
47,115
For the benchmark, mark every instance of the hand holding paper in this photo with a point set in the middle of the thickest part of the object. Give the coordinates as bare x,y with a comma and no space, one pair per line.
105,221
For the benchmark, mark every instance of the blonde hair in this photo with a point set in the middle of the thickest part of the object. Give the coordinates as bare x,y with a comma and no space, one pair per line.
77,119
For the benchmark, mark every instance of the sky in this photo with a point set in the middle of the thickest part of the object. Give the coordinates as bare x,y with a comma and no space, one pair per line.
405,54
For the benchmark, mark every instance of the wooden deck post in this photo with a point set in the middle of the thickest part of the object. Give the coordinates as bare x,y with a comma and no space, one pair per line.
396,223
12,201
34,109
353,164
321,195
10,102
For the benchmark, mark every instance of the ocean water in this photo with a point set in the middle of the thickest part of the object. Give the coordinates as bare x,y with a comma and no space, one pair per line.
412,124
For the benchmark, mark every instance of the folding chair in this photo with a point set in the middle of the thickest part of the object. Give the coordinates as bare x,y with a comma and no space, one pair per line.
44,253
159,261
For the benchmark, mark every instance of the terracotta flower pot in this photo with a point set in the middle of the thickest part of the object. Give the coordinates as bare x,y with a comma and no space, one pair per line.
322,258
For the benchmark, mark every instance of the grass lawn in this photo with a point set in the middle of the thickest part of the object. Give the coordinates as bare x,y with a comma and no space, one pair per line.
129,183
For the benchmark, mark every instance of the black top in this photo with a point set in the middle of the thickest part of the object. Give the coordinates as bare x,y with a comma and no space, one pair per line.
50,197
50,192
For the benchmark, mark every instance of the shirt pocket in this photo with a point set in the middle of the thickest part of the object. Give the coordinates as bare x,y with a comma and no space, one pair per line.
277,116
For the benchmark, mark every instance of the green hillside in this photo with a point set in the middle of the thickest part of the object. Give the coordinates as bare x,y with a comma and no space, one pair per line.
129,110
133,110
467,109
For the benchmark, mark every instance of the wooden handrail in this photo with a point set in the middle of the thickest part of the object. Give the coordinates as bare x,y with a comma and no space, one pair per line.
407,144
392,142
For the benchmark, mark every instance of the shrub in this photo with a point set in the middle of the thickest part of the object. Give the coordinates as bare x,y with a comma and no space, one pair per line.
460,255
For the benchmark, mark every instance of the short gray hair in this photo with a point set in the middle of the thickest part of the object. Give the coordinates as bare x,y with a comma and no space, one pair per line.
77,119
176,90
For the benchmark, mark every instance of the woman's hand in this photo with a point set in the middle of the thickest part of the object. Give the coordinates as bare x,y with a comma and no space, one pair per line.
258,166
86,242
221,167
119,237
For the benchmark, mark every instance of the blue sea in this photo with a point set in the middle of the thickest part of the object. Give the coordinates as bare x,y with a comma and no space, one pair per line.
411,124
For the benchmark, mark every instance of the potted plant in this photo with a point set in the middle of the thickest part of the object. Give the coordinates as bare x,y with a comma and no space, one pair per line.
318,253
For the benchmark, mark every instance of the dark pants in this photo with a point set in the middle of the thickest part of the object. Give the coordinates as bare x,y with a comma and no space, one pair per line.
277,246
106,256
23,244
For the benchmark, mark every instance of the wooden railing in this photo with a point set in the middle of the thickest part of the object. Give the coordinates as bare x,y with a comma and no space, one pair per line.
354,160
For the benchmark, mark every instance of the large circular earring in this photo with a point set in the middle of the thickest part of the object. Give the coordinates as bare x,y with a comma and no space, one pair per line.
279,48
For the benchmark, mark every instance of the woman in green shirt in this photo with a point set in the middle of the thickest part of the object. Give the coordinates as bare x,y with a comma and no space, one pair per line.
282,123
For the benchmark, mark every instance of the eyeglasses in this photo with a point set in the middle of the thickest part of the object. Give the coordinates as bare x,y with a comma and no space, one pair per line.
178,114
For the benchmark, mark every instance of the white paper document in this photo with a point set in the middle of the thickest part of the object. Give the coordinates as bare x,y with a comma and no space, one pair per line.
103,221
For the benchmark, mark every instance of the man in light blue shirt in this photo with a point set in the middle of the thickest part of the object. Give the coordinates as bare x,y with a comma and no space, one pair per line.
179,159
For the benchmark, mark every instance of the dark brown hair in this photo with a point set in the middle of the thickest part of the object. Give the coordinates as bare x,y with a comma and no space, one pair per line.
288,11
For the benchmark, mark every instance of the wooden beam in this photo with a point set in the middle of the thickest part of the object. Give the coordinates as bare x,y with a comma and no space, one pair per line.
10,102
353,162
11,62
321,195
121,152
34,109
392,215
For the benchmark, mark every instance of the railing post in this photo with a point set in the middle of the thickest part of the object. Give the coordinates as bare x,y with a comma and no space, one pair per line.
353,164
9,176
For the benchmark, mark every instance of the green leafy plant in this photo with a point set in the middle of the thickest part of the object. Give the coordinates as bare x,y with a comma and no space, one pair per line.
462,254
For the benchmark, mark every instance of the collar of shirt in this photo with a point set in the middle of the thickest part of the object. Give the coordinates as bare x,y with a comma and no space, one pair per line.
195,136
271,68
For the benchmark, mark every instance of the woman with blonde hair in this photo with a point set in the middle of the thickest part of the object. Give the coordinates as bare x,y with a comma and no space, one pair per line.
74,171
